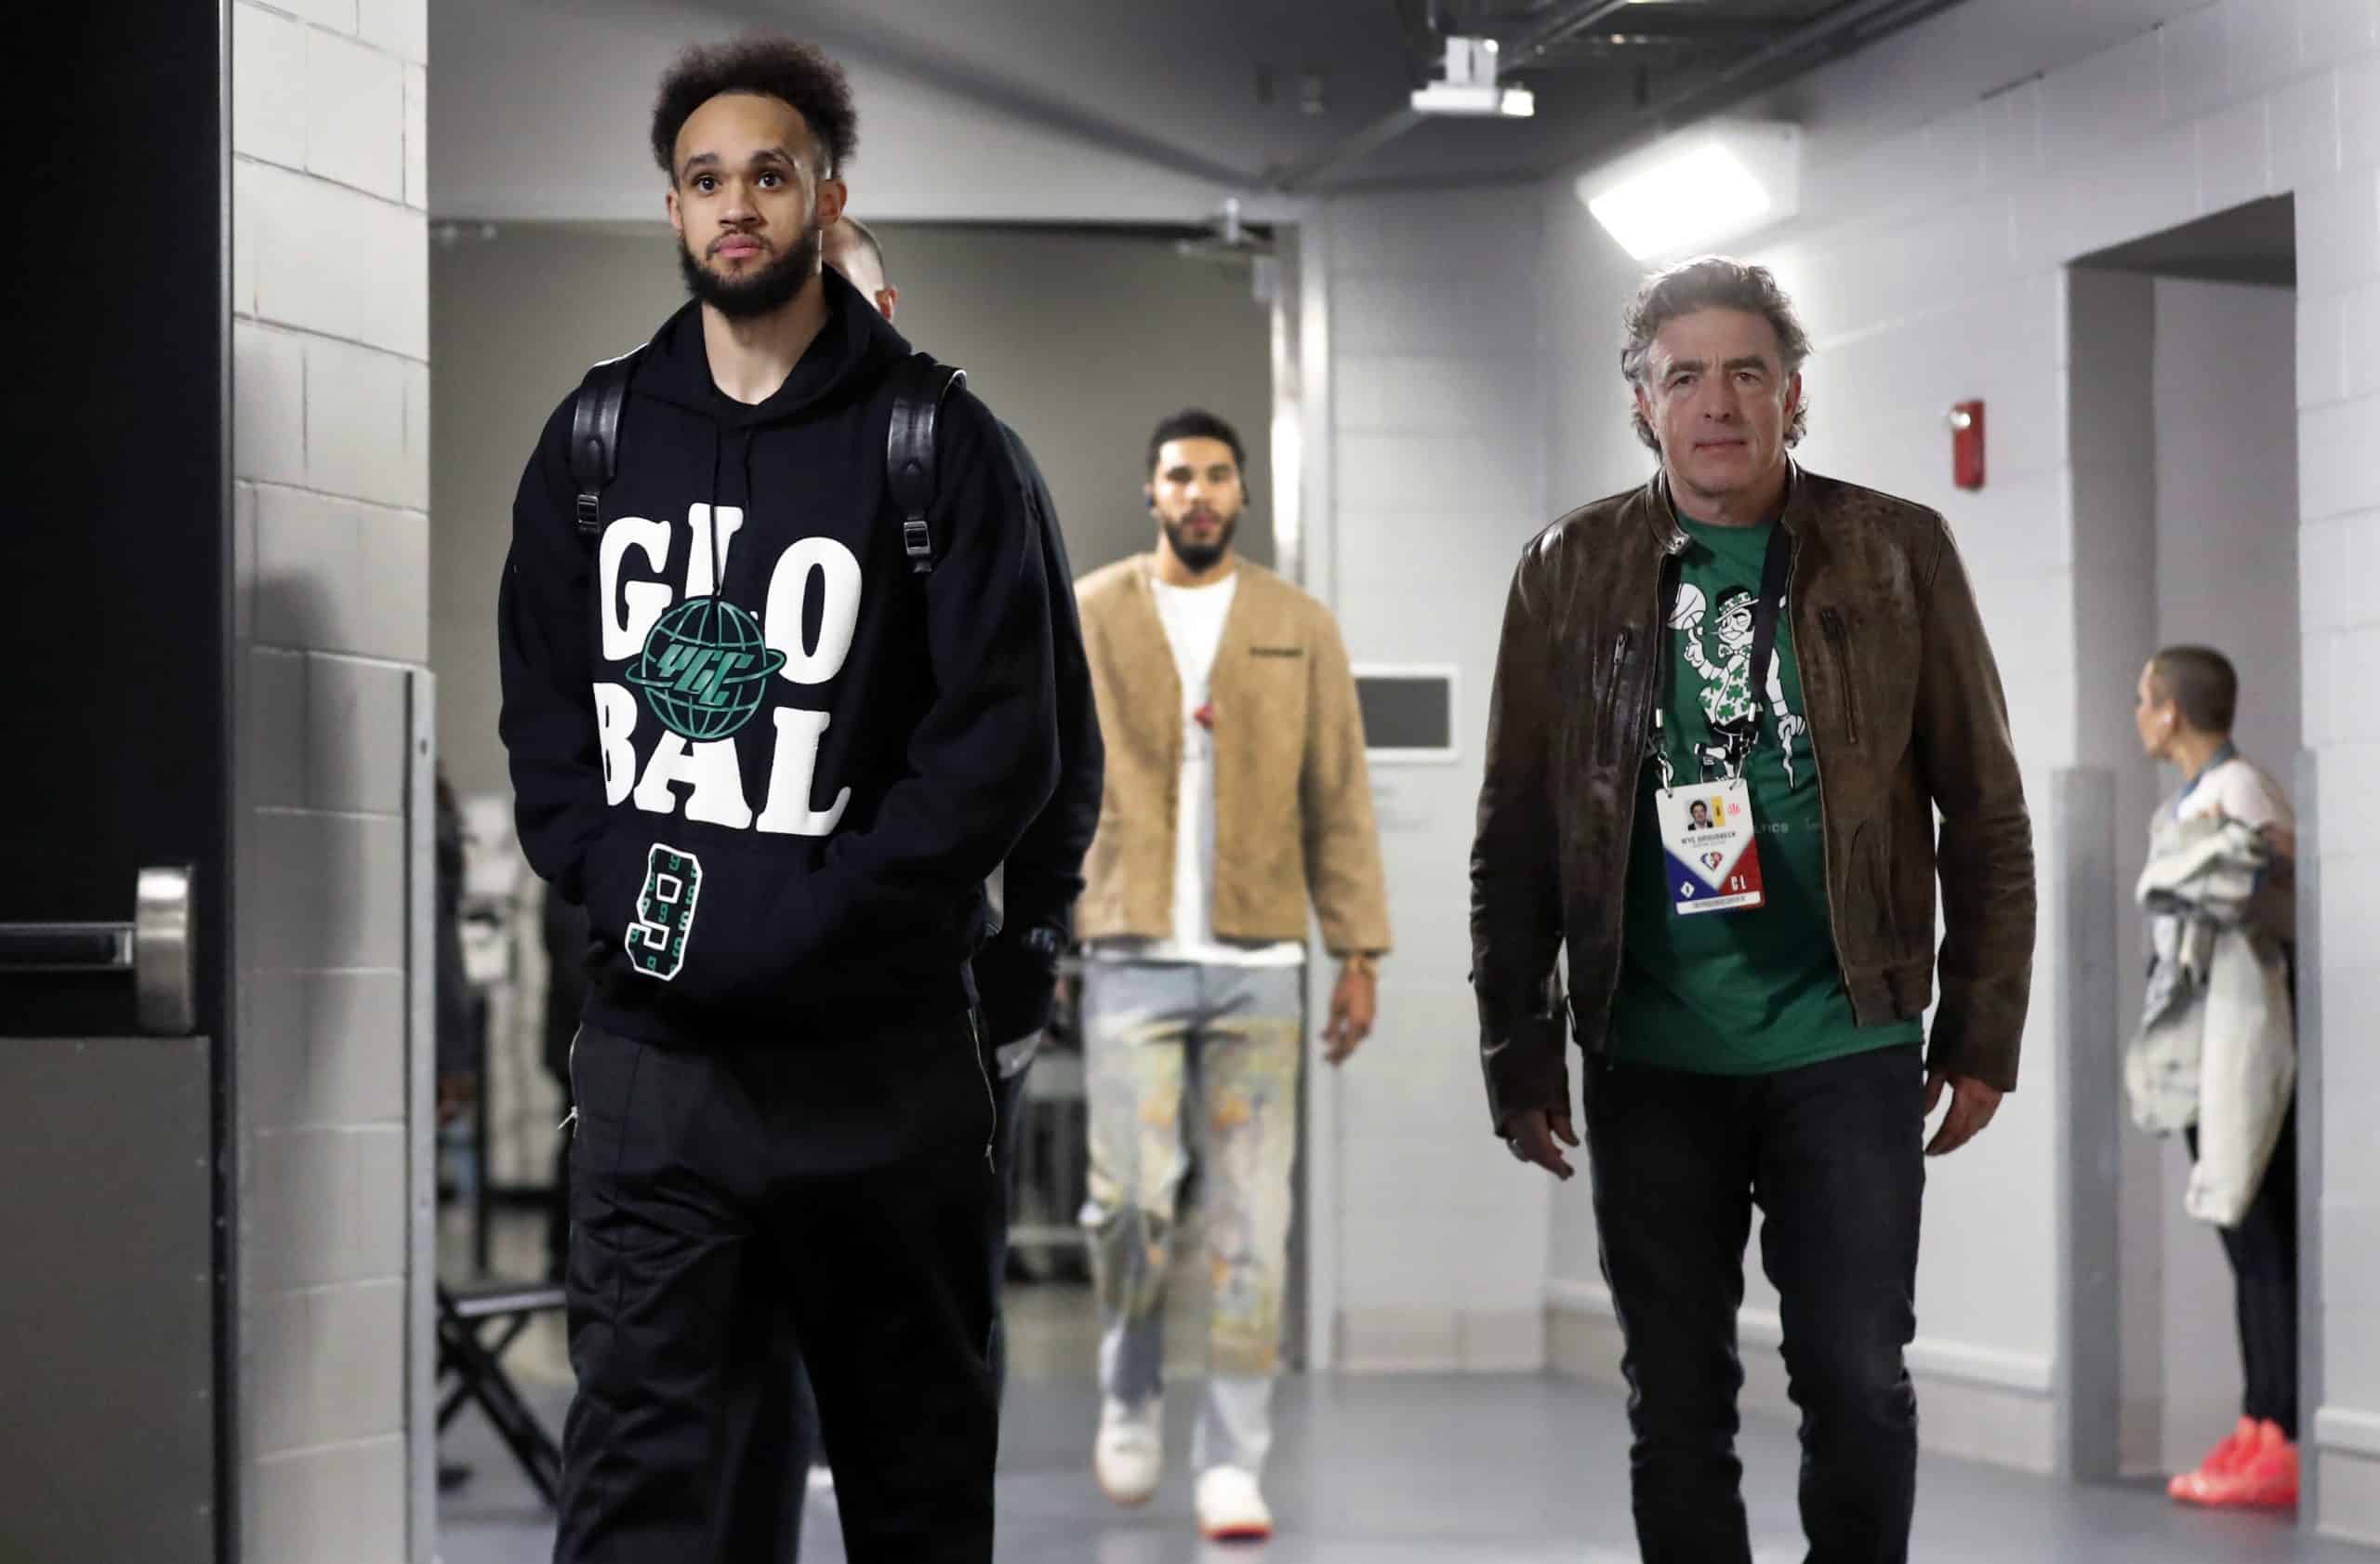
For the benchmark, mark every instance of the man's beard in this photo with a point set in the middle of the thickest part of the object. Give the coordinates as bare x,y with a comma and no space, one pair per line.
765,291
1201,557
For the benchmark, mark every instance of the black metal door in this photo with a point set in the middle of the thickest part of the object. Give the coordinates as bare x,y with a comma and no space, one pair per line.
116,792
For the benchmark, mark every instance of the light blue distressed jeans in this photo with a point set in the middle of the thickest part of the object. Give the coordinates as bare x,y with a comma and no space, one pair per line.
1225,1041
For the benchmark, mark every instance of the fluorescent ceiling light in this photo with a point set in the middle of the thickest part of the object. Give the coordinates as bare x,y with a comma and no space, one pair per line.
1697,189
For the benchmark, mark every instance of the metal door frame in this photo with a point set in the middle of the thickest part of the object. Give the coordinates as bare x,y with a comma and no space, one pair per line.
1304,552
421,1116
217,899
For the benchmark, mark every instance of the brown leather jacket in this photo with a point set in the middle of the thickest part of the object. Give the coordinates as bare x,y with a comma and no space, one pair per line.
1906,718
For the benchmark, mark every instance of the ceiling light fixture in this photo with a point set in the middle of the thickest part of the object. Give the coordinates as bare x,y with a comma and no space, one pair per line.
1469,87
1699,188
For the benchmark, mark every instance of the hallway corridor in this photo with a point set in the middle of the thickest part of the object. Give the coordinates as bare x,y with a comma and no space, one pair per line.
1437,1470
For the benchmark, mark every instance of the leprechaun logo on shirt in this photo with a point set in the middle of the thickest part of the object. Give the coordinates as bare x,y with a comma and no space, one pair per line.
1719,654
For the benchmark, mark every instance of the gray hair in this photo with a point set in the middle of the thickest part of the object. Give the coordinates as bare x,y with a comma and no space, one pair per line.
1711,283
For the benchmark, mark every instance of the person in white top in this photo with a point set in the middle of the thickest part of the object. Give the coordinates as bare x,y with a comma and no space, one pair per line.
1213,677
2187,699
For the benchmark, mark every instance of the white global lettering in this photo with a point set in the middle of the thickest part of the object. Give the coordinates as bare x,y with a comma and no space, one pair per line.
710,527
824,560
632,611
794,772
615,721
717,796
704,780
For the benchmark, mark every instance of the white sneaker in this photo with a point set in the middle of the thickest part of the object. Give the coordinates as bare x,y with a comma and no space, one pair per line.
1231,1507
1128,1455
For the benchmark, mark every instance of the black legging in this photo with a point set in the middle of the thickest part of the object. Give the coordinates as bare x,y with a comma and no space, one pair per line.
2263,1249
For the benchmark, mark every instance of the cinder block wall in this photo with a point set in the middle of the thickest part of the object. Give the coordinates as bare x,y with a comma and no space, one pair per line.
1436,1245
331,381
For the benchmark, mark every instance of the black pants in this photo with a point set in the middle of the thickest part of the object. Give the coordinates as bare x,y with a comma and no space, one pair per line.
807,1445
718,1196
2263,1251
1831,1154
565,937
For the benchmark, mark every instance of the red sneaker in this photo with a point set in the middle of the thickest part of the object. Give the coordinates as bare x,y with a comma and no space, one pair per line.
2265,1479
2190,1488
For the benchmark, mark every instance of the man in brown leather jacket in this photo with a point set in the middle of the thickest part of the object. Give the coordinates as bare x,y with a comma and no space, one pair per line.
1803,657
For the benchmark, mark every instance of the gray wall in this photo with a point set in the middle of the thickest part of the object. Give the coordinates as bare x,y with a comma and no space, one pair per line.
330,416
2226,493
561,86
1081,340
1435,1242
2112,432
514,320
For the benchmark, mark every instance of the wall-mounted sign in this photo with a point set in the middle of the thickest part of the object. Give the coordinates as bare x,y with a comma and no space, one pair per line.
1408,712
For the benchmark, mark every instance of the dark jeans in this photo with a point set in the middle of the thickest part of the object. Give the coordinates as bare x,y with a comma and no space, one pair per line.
1833,1155
2263,1251
721,1196
807,1446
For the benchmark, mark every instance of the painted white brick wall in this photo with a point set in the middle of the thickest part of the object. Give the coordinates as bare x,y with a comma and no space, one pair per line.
1928,263
330,452
2338,236
1438,477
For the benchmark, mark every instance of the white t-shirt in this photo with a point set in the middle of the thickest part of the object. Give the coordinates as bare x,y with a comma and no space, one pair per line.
1194,619
2237,790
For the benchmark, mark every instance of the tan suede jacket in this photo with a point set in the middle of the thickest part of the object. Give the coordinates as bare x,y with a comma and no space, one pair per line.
1293,801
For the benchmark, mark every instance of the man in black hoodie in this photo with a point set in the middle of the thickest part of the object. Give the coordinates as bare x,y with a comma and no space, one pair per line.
777,767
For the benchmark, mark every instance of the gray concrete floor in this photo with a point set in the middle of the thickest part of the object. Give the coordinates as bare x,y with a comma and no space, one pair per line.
1437,1470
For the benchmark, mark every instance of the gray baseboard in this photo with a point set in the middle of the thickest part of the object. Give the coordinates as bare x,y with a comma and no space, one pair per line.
2343,1458
1435,1341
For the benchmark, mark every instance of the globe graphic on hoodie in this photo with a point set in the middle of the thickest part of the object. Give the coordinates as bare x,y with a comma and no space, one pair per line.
704,668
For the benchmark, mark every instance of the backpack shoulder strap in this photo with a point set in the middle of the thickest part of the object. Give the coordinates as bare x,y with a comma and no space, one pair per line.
919,386
595,435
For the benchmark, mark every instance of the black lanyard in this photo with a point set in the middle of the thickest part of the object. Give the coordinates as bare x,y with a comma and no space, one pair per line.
1774,567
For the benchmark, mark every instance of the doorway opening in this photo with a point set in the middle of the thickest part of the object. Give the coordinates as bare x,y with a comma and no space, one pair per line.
2182,408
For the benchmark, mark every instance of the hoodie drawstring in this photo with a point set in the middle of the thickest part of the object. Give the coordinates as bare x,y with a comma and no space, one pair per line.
718,564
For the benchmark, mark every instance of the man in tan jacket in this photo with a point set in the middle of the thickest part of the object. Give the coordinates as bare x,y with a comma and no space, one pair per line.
1236,794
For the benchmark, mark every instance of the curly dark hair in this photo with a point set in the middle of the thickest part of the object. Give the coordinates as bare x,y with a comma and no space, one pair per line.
1195,423
1711,283
796,74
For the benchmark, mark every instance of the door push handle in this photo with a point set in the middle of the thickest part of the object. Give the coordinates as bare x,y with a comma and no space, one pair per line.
156,947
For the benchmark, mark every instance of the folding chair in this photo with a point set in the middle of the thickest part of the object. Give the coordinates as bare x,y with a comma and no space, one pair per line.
475,1368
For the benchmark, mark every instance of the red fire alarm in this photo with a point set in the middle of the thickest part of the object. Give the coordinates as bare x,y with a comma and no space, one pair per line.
1966,444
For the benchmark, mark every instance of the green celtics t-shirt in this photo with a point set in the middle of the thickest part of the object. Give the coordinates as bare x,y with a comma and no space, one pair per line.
1755,990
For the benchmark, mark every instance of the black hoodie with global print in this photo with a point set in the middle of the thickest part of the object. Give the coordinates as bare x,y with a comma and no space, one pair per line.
774,763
